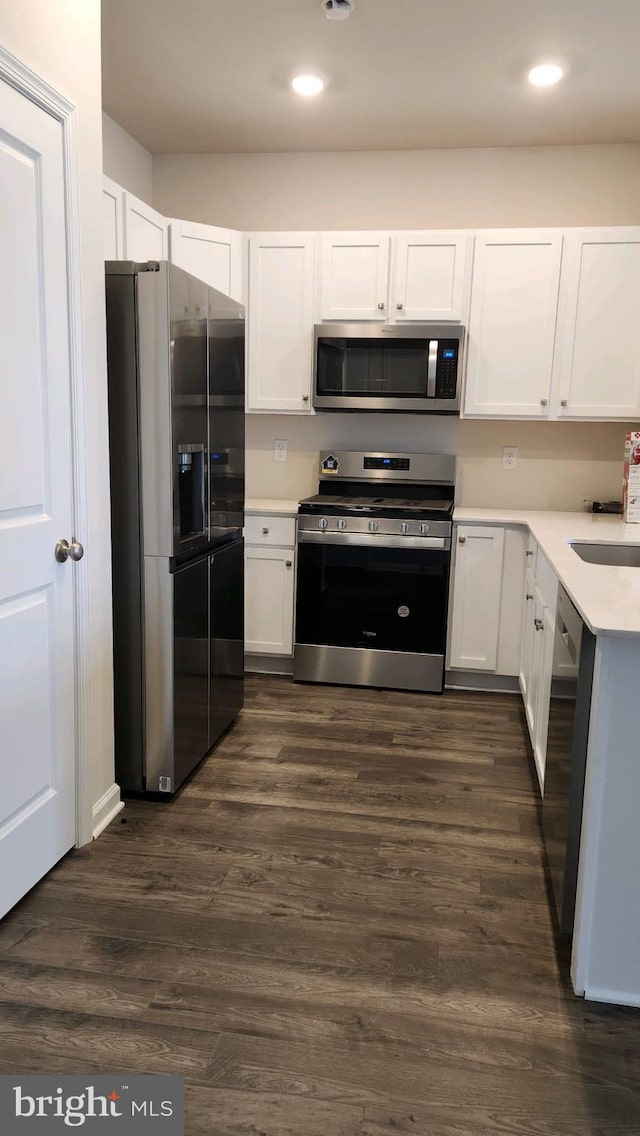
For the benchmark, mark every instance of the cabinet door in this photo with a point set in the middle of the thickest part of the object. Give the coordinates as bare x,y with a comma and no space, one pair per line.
600,374
429,275
213,255
477,585
280,321
512,323
544,663
536,615
145,231
526,665
269,599
354,276
113,219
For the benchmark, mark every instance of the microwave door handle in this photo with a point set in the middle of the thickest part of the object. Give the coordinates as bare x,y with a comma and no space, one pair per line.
432,367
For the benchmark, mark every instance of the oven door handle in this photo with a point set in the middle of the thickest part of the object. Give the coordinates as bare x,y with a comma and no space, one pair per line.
372,540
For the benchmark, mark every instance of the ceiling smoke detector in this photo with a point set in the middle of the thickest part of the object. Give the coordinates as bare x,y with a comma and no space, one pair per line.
338,9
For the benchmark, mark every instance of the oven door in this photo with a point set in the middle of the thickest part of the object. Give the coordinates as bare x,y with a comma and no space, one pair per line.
371,595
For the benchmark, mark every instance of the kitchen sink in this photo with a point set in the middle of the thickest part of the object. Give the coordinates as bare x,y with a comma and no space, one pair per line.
620,555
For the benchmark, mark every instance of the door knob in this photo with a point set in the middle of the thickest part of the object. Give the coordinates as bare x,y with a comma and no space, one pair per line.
564,402
381,306
462,540
65,551
288,563
305,398
544,401
399,307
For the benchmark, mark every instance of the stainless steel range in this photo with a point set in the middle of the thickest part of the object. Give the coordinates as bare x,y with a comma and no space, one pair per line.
374,551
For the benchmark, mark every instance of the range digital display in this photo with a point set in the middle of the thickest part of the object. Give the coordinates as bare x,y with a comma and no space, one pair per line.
386,463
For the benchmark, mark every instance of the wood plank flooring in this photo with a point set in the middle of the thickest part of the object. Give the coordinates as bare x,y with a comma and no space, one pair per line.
339,928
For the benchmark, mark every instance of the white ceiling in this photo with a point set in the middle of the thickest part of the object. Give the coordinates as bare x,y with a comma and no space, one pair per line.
213,75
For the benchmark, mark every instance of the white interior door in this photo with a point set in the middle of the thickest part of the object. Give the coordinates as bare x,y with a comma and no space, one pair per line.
37,751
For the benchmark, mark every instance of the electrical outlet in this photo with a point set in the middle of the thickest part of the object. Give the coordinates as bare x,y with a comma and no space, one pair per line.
509,457
280,450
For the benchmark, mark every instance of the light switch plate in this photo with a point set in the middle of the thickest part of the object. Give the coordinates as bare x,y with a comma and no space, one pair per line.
509,457
280,450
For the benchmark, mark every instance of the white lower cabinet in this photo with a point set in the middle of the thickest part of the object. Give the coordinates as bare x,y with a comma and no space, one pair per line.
486,599
538,632
476,597
269,585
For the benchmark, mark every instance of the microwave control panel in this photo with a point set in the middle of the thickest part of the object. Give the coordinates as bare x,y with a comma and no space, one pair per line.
447,368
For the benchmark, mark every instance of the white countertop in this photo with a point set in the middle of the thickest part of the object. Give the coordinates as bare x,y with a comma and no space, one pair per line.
607,597
271,507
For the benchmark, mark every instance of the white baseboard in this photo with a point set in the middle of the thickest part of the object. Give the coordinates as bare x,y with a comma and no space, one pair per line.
613,997
105,810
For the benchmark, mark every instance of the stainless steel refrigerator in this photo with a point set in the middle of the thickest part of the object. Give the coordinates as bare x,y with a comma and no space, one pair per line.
175,351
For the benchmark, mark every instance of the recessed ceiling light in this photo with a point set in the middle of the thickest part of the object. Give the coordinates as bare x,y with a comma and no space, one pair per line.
307,84
545,74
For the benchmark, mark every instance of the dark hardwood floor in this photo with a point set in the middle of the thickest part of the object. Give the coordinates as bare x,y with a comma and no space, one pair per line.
339,928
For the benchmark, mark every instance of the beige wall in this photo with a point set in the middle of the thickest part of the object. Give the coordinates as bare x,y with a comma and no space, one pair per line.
550,185
125,160
60,41
559,464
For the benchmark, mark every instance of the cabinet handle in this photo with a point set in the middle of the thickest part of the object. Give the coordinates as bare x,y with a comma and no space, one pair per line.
305,398
538,624
529,552
462,540
265,532
544,402
399,307
288,563
564,402
529,596
381,306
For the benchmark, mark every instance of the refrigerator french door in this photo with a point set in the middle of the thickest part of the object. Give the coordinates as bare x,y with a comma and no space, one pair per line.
175,353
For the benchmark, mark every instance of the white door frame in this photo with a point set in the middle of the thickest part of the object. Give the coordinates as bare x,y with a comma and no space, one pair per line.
33,87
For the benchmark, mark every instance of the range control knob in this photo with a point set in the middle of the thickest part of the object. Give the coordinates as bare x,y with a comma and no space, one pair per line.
373,526
342,524
322,523
404,526
424,527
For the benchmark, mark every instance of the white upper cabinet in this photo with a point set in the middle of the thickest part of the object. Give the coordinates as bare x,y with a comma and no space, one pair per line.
145,231
600,370
354,276
280,321
113,219
210,253
512,323
429,275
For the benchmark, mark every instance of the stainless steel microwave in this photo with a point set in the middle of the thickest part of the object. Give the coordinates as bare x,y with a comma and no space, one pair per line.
410,367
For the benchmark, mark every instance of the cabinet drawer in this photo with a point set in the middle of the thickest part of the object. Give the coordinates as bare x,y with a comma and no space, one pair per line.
278,531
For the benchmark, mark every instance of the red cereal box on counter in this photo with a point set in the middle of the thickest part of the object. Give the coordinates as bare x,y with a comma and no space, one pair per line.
631,486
